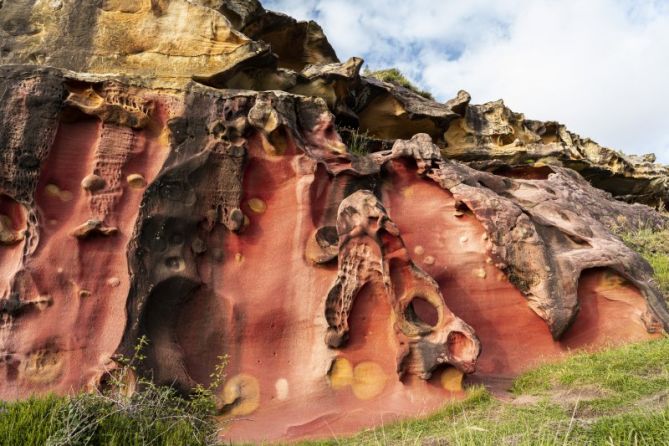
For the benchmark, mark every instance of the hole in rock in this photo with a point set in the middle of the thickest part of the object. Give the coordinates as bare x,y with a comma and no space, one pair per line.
327,236
420,311
524,172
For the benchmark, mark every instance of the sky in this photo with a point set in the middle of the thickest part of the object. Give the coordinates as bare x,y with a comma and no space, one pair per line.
601,67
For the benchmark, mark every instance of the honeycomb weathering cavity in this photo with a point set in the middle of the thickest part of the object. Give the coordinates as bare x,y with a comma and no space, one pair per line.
223,221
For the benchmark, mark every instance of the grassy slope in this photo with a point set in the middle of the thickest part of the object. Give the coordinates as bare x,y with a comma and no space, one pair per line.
616,397
156,417
654,246
395,76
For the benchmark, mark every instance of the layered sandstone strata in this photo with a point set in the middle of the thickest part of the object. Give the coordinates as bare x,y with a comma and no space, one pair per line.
141,197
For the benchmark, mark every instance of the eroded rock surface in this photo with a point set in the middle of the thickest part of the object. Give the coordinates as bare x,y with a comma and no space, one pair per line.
141,197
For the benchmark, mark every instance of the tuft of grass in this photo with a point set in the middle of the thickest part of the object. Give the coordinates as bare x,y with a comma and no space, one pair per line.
634,428
31,422
395,76
357,141
633,380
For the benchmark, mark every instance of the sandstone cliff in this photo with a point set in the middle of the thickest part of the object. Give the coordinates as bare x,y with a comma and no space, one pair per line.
184,170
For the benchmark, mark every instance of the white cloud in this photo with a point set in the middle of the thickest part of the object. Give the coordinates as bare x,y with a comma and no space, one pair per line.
599,66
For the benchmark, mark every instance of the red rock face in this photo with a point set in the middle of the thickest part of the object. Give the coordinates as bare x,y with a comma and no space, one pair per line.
452,247
347,291
71,289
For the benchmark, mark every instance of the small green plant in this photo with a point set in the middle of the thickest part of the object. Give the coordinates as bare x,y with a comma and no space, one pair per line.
357,141
395,76
203,398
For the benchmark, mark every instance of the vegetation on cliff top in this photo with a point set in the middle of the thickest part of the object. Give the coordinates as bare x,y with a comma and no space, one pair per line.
395,76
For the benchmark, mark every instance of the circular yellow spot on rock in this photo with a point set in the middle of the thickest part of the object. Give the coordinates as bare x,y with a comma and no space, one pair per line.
52,189
408,192
282,389
451,379
257,205
136,181
428,260
341,373
241,395
239,257
113,282
480,273
419,250
65,195
369,379
464,239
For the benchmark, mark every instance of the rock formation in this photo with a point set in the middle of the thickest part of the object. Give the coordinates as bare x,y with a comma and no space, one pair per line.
174,169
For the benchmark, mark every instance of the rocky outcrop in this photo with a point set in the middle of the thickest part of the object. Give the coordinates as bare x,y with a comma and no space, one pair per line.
153,40
145,198
491,137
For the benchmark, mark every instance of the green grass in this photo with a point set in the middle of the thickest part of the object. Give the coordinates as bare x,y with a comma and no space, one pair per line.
642,368
30,422
156,417
653,245
615,397
660,264
357,141
395,76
